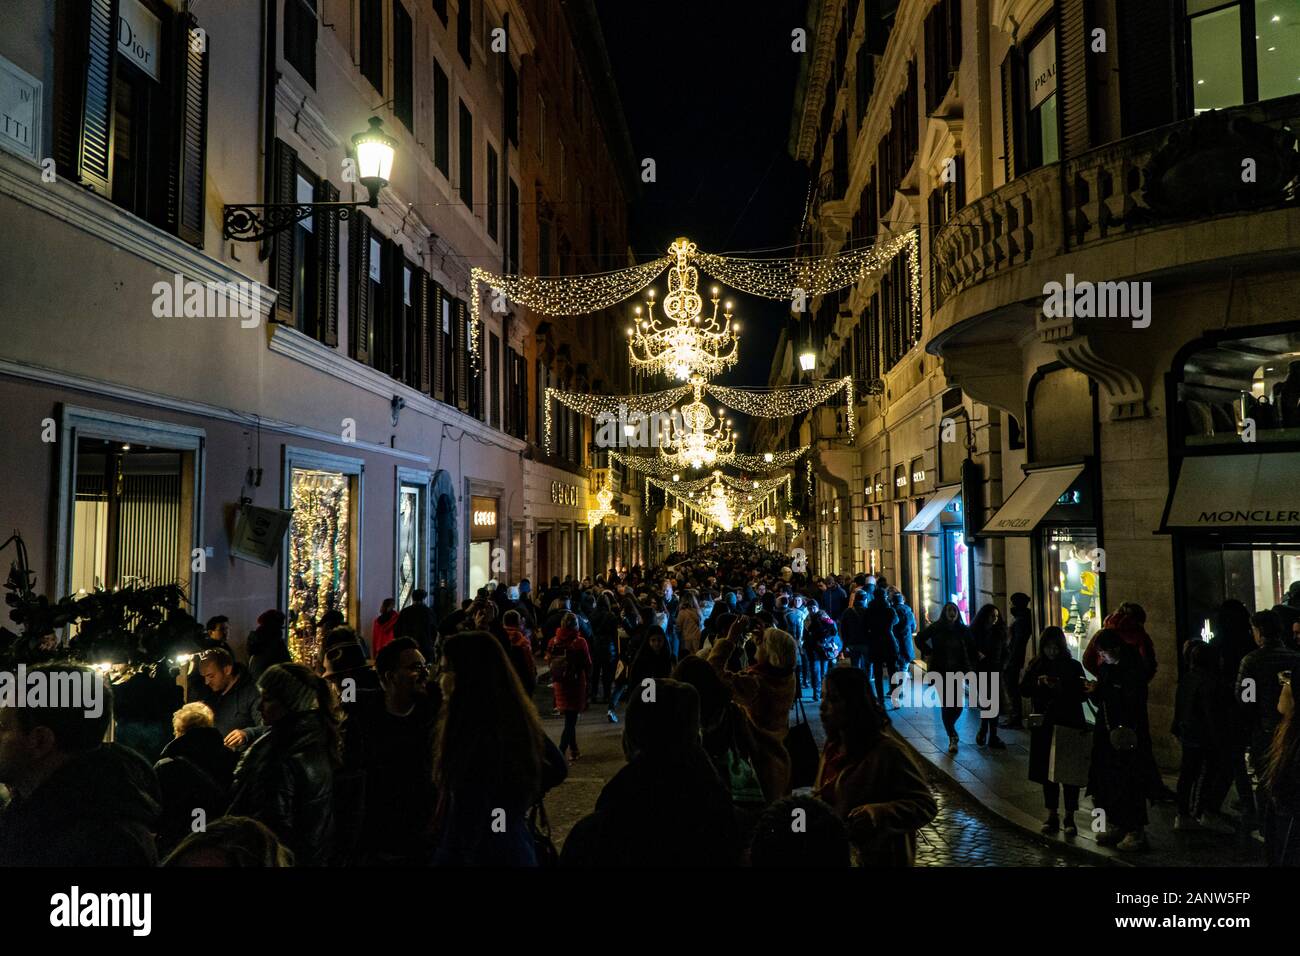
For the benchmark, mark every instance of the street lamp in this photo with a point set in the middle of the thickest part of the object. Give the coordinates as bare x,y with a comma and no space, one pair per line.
253,222
808,360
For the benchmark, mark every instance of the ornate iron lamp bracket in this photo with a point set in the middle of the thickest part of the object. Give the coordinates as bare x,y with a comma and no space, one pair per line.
252,222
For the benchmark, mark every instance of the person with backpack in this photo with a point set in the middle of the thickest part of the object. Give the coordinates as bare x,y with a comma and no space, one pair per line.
570,660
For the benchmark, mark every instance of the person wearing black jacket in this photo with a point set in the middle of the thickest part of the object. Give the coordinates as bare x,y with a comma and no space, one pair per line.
266,646
194,773
417,622
950,653
286,779
604,648
1202,724
1053,682
76,802
233,697
1021,632
990,636
1121,744
855,630
882,648
904,627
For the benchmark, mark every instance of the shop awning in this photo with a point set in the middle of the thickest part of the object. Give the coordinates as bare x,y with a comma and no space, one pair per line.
1032,499
928,516
1224,492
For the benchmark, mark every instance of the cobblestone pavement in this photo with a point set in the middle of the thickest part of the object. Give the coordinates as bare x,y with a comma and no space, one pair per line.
963,834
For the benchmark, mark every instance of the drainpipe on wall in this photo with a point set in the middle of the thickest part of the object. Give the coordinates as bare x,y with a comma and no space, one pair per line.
270,76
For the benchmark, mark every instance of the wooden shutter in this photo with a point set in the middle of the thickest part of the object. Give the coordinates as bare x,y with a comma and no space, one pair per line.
286,190
1013,116
88,59
395,314
186,184
1148,66
1073,75
424,338
327,265
459,317
439,344
359,238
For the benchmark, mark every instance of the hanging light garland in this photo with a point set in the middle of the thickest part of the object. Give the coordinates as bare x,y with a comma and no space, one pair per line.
692,344
779,279
768,461
785,401
595,406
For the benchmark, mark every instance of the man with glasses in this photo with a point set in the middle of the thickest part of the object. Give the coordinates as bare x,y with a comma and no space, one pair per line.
395,738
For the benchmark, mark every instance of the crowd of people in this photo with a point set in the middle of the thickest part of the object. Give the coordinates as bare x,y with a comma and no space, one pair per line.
421,739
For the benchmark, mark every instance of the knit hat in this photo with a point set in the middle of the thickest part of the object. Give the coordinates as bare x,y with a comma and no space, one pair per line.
290,686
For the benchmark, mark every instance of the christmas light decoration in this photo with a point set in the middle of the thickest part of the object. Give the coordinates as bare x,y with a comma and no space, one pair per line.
785,401
604,505
595,406
778,459
691,344
784,278
318,555
692,442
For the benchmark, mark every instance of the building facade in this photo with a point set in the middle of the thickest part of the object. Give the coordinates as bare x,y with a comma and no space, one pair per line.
174,393
1096,399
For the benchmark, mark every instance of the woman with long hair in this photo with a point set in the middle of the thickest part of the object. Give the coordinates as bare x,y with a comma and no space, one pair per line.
1117,777
488,766
868,776
689,623
286,778
1282,785
1053,681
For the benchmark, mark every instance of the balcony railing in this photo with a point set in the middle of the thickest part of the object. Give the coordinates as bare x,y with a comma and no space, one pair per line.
1178,173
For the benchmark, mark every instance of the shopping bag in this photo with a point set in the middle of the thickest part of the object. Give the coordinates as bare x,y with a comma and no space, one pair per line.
804,753
1071,755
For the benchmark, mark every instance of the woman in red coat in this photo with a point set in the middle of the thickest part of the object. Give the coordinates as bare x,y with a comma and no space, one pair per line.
570,660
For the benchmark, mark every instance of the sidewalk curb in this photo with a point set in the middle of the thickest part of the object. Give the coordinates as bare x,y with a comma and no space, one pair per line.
1017,819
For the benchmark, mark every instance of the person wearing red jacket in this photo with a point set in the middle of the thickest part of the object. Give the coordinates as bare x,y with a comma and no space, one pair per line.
520,650
384,628
570,660
1129,620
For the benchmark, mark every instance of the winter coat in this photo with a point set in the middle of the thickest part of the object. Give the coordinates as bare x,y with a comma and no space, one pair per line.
950,648
1202,710
418,622
571,691
766,695
887,790
904,628
1021,632
237,708
99,809
816,630
1261,666
883,649
991,648
1061,705
604,636
661,810
688,626
203,746
1134,635
834,602
286,780
855,628
520,651
1118,780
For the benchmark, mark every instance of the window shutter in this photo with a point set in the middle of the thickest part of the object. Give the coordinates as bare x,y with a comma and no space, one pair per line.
359,236
439,344
1148,30
395,318
459,318
1013,117
187,183
327,265
424,340
88,55
286,190
1072,17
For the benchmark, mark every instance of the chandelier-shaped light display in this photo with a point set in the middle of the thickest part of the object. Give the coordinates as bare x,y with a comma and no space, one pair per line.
605,506
692,344
720,507
697,439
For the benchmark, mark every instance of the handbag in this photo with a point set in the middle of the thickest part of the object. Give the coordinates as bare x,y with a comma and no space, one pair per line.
804,753
742,778
1122,739
539,828
1071,756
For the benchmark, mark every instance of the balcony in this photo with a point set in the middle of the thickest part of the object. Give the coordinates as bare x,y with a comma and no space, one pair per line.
1186,174
831,206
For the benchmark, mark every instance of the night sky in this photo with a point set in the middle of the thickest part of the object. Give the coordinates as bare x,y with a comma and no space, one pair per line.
707,89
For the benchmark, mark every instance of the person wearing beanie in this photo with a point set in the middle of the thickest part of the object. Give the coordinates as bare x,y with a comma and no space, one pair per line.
286,778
